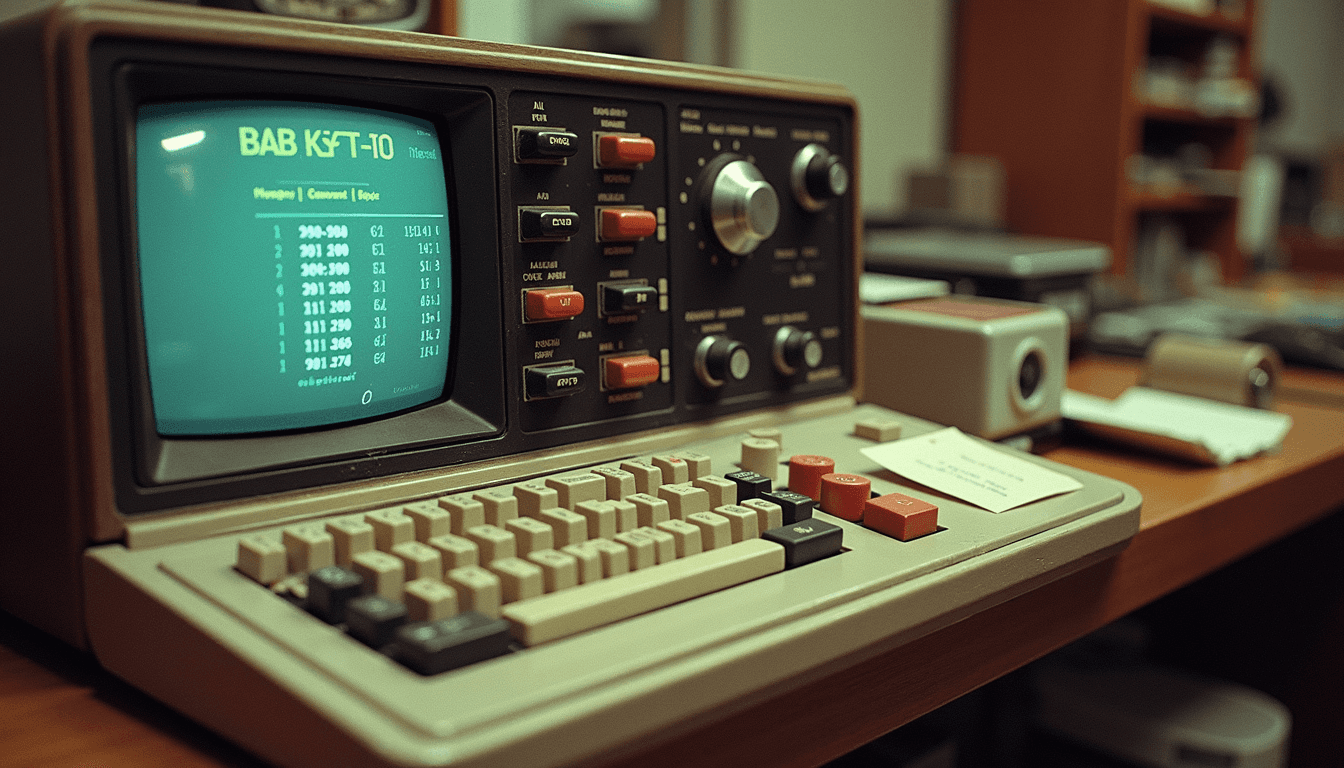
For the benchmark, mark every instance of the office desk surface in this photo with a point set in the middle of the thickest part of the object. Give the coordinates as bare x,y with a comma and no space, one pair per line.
59,709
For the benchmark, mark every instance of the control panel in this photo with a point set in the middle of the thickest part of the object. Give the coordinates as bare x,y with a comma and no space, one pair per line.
675,257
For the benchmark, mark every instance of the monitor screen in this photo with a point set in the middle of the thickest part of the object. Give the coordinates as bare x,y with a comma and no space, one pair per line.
294,264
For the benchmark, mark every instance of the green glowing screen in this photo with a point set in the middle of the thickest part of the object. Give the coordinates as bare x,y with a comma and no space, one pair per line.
294,264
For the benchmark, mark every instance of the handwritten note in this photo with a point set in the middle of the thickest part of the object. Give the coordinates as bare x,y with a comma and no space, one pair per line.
963,467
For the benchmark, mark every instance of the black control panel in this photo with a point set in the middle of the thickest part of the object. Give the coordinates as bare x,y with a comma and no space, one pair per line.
675,255
627,253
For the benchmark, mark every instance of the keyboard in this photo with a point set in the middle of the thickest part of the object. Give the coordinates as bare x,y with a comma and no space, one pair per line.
564,614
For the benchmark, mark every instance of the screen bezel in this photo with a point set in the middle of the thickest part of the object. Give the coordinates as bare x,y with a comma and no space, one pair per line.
167,471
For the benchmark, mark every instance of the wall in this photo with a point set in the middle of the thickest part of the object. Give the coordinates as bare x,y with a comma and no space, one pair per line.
1302,47
894,55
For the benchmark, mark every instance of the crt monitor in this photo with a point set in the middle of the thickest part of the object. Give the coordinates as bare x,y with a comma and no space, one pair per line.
301,276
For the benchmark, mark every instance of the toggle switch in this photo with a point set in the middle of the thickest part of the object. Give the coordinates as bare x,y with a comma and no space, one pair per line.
553,381
624,299
546,144
626,224
615,151
552,304
538,224
630,371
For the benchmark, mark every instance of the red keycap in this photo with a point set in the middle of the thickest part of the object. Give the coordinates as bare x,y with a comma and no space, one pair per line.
844,495
805,473
624,151
553,303
627,224
900,517
632,371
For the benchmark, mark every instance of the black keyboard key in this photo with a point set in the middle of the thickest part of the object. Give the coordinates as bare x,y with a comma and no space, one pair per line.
431,647
749,484
373,619
807,541
329,589
796,506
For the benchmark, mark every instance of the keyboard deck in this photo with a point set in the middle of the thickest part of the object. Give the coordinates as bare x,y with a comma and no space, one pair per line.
735,622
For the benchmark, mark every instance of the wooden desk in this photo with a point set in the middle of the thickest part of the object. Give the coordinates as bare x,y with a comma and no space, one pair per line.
61,710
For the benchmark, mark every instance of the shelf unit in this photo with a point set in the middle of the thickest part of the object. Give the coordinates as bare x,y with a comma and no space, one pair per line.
1053,89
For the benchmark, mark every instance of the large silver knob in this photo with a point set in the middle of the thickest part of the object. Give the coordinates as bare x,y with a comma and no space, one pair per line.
743,207
817,177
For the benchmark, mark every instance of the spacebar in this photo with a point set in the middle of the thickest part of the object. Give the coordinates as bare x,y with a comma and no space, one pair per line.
560,614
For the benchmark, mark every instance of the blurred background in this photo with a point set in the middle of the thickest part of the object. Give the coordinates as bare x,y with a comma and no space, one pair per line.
1200,142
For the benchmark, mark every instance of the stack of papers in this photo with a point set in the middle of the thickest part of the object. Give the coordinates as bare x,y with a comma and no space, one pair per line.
1206,431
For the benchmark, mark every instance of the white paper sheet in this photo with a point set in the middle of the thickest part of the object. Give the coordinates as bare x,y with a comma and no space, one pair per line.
961,466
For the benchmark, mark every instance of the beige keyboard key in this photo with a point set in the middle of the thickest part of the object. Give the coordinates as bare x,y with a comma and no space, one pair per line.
647,476
615,557
500,504
430,520
760,455
742,521
534,496
619,482
421,560
465,511
456,551
532,535
578,487
559,570
351,535
477,590
493,543
684,500
429,600
390,528
600,517
768,513
649,509
674,468
308,547
567,527
588,559
664,546
715,530
384,574
262,559
627,515
562,614
643,551
685,537
698,463
518,579
720,489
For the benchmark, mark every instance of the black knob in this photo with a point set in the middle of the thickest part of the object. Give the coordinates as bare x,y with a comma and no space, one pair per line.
817,177
796,349
719,359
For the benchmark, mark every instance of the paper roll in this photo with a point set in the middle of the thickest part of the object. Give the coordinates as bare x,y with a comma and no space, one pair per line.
1231,371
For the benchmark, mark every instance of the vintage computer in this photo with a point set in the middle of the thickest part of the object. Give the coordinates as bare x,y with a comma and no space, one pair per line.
384,398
